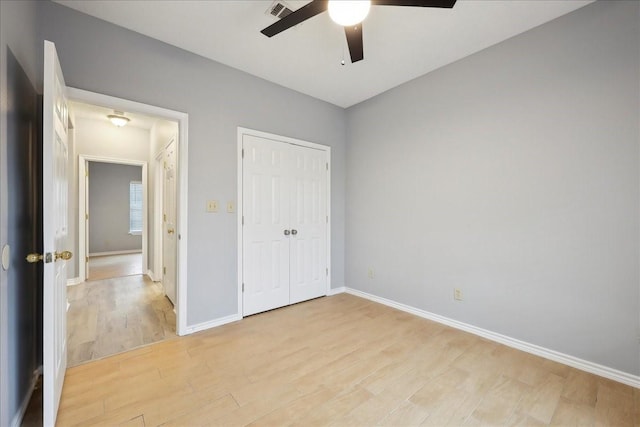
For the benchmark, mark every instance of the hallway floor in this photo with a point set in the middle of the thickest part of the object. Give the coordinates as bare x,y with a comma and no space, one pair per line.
110,266
110,316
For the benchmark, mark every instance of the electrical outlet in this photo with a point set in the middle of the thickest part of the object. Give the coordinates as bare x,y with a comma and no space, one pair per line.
212,206
457,294
370,273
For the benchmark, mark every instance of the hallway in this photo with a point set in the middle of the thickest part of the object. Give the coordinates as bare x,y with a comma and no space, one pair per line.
110,316
106,267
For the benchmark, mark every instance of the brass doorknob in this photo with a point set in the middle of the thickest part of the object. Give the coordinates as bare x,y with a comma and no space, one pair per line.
35,257
171,231
64,255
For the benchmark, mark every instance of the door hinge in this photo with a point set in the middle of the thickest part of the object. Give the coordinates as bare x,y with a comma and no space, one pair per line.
327,271
86,173
164,217
242,219
86,259
165,164
164,270
243,287
243,153
86,216
327,219
327,165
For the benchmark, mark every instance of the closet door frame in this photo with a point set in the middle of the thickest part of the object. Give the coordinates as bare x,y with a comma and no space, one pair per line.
241,133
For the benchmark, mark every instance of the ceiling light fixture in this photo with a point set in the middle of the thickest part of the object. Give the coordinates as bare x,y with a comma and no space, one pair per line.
118,118
348,13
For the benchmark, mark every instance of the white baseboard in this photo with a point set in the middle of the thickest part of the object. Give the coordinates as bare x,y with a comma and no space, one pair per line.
19,416
74,281
212,323
125,252
152,276
584,365
336,291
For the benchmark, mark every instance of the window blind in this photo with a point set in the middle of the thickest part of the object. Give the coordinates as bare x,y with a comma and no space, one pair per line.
135,207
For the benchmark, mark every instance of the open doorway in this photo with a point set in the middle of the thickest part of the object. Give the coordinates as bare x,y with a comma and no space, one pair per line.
121,297
114,211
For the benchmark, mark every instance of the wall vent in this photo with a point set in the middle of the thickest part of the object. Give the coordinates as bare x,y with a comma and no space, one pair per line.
279,9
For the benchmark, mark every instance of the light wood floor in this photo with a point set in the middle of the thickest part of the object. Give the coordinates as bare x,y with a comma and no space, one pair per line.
338,361
110,266
109,316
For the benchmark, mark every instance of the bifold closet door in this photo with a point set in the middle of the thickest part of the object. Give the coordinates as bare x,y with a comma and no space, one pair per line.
265,201
284,236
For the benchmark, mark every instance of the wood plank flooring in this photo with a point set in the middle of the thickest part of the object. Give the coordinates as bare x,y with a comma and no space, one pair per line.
338,361
111,266
110,316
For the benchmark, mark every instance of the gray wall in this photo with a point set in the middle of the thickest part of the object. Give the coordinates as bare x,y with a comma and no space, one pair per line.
104,58
19,33
109,207
513,175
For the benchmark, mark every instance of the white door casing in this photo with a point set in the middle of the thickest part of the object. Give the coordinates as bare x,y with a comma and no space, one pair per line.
169,221
182,181
83,212
55,196
284,224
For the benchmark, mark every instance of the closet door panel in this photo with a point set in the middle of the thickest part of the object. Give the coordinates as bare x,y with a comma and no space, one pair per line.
308,222
266,183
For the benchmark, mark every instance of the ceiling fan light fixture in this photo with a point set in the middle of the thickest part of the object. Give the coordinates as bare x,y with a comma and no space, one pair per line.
348,12
118,119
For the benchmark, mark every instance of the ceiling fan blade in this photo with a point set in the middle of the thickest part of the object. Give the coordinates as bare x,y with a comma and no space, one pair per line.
418,3
354,41
294,18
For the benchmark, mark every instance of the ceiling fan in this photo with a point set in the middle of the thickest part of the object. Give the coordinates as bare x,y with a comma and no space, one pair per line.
349,14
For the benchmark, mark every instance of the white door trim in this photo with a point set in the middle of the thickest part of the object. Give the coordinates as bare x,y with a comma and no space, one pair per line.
83,251
182,193
245,131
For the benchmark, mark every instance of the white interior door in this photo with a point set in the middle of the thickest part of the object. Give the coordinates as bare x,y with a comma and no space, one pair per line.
265,201
308,222
169,222
55,190
284,232
85,255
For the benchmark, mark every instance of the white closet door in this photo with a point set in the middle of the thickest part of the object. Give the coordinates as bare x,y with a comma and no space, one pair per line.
308,223
265,200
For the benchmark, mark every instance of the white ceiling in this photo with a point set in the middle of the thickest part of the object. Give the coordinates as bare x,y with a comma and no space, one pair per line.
400,43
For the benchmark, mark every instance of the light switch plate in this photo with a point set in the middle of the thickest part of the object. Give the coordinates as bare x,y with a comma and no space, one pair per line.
212,206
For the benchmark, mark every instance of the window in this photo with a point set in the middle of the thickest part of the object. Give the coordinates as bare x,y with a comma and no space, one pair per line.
135,207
